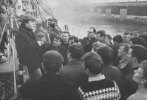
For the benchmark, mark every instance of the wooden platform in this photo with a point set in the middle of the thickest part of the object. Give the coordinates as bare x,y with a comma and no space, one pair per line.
8,66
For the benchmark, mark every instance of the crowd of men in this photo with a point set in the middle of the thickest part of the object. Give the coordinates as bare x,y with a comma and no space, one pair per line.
97,67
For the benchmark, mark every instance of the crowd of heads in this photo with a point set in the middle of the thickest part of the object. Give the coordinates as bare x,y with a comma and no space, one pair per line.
128,44
127,52
99,49
132,45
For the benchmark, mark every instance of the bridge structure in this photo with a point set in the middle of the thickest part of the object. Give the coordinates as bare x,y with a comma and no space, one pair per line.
136,11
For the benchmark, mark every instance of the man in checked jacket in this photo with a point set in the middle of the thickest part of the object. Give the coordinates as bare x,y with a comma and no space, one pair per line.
97,87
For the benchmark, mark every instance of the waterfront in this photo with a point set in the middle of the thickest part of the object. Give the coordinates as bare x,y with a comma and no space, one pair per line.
79,25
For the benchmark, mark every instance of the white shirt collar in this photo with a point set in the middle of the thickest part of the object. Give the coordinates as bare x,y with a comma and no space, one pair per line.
96,78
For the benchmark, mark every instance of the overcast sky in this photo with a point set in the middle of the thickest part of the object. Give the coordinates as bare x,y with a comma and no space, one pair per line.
64,11
67,5
54,3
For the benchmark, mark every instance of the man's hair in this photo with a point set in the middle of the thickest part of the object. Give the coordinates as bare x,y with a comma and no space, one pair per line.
108,36
133,34
144,67
52,25
118,38
74,38
93,62
106,53
126,33
101,32
76,51
46,47
140,52
139,41
144,37
94,30
52,61
93,65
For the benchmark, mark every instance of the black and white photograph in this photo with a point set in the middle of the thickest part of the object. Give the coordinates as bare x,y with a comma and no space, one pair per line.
73,49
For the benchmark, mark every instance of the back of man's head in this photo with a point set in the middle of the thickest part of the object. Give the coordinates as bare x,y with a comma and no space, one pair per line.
108,36
101,32
144,36
74,38
52,25
140,52
107,54
76,51
118,39
93,62
139,41
52,61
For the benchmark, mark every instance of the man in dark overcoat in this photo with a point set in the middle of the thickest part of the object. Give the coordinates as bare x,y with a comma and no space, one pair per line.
28,49
50,86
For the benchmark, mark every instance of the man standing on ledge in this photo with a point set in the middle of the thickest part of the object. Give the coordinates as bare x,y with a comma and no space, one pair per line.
27,48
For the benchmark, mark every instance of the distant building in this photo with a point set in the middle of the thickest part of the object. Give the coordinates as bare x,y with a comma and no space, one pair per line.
123,10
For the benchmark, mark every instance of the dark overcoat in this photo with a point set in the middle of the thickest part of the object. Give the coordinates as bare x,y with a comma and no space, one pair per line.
74,73
28,49
49,87
87,44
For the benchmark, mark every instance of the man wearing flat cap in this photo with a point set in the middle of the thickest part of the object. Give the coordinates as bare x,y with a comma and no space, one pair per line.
28,49
50,86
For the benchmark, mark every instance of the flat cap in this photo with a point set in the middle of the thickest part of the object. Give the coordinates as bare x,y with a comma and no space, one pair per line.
53,57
